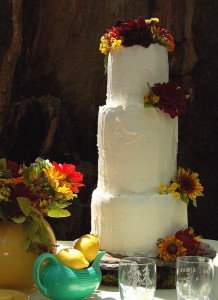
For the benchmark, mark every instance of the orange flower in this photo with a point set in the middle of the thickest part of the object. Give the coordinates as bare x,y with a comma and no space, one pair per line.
170,248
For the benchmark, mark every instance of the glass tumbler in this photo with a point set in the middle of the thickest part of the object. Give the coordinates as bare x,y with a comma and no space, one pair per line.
194,277
137,278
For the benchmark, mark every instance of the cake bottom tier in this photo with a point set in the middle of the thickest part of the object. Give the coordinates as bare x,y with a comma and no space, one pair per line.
132,224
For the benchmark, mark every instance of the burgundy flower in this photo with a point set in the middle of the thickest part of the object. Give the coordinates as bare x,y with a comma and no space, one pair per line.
189,241
13,207
14,168
22,190
135,32
172,98
14,210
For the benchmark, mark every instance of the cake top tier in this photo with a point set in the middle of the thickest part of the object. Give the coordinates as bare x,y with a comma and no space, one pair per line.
130,69
136,32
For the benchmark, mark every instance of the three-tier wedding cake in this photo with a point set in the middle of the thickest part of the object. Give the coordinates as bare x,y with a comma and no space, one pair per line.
137,145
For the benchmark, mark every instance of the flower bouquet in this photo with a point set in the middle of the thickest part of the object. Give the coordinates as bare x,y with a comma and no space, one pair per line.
30,193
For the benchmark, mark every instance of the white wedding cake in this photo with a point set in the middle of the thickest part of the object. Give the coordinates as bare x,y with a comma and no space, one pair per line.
137,151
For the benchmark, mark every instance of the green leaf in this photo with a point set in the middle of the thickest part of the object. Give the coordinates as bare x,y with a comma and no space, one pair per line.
194,203
3,163
57,212
185,199
25,205
19,220
63,205
26,244
105,63
31,227
148,105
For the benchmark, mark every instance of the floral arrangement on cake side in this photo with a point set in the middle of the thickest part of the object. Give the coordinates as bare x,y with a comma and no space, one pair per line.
183,242
168,97
185,186
135,32
30,193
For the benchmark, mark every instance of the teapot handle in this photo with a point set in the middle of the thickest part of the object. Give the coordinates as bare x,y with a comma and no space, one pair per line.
36,270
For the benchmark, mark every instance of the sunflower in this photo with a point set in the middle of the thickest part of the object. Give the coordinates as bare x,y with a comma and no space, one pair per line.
189,184
170,248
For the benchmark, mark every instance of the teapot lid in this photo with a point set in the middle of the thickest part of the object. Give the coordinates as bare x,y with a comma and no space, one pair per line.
12,295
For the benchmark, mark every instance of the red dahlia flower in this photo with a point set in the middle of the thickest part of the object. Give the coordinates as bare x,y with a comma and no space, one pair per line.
135,32
190,241
172,98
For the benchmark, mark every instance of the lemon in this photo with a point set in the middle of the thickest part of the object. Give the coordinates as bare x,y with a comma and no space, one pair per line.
72,258
88,244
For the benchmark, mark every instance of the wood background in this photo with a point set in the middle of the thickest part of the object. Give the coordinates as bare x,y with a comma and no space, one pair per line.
52,82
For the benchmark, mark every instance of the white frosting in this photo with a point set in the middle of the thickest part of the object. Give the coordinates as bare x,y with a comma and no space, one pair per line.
129,71
132,224
137,150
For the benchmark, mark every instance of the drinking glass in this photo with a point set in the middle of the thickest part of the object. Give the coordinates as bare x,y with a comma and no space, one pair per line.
137,278
194,277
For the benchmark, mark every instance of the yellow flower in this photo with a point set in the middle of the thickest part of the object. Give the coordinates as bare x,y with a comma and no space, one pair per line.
57,181
176,195
54,175
172,188
109,43
170,248
163,187
151,99
103,39
115,43
189,183
154,20
5,193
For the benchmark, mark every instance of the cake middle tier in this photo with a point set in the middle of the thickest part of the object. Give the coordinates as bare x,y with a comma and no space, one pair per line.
137,149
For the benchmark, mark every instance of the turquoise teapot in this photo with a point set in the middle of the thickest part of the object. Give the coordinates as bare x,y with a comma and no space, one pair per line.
58,282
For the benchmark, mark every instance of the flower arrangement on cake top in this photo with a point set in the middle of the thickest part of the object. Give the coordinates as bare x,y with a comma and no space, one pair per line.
30,193
183,242
185,186
168,97
135,32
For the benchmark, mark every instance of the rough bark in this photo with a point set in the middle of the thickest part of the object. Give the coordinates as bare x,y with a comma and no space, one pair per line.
9,61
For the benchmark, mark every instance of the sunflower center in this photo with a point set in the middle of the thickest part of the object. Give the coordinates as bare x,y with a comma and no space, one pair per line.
187,185
172,248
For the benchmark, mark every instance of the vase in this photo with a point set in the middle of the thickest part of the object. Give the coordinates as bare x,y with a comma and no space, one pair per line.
16,263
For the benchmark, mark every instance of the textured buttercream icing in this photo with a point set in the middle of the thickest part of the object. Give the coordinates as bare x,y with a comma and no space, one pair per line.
129,71
137,150
132,224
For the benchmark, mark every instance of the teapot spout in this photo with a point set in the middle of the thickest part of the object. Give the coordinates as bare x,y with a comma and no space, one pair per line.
97,260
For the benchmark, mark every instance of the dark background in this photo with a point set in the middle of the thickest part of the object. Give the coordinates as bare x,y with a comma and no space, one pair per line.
52,82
